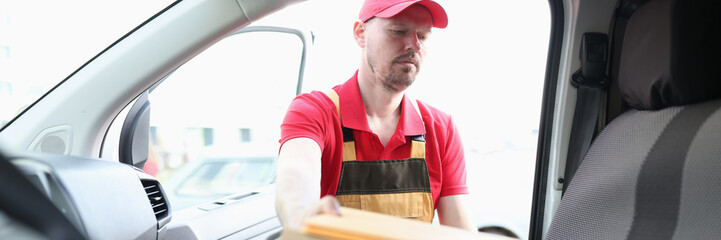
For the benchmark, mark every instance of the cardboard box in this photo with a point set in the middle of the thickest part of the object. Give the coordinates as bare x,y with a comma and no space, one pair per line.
357,224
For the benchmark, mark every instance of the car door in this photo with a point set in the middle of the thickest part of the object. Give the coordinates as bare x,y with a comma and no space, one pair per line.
654,190
211,138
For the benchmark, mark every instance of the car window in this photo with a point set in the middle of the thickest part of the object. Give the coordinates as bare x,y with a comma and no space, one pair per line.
60,36
486,69
219,177
215,120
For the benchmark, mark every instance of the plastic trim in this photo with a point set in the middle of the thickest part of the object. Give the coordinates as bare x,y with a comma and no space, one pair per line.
545,129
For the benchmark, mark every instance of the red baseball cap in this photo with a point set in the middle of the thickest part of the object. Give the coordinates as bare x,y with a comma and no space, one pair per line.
389,8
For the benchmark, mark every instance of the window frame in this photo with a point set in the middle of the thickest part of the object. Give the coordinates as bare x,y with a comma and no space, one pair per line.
114,148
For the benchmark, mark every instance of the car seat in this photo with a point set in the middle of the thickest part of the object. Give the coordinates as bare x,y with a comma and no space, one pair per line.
655,171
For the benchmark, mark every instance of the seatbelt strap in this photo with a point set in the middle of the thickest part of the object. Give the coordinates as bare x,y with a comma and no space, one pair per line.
590,82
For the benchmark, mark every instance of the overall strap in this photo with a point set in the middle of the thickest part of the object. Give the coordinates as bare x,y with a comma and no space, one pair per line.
418,142
333,95
348,139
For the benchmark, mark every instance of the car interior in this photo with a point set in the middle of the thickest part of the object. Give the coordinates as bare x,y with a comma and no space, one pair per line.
627,140
651,172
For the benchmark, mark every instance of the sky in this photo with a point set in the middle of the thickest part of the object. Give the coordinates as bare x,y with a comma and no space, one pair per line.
486,68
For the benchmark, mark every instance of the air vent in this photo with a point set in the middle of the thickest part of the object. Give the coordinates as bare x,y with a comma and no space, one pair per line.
156,197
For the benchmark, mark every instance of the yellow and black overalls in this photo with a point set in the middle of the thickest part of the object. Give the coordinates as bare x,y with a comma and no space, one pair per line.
396,187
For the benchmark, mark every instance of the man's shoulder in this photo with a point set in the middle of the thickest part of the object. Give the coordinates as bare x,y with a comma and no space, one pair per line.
429,111
313,99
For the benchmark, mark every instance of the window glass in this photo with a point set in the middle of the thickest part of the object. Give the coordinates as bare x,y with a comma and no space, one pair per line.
218,177
215,120
42,42
486,69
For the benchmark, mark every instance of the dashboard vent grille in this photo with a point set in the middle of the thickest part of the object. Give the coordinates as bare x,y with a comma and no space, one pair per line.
157,199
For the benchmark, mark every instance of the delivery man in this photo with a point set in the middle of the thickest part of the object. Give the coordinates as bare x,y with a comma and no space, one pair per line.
364,143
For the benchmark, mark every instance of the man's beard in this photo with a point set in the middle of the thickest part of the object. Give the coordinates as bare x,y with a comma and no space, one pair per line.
393,81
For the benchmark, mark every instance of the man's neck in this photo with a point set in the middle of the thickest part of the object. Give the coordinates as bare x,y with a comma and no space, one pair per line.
379,102
382,106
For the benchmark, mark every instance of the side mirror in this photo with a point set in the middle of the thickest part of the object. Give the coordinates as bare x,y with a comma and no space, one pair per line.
135,134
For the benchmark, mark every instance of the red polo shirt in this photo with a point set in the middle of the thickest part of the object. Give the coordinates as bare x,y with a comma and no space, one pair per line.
313,115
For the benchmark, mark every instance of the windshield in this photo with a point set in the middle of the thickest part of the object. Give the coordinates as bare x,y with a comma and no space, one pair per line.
43,42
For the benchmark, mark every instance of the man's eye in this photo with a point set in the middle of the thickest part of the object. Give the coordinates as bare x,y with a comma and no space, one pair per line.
422,37
399,32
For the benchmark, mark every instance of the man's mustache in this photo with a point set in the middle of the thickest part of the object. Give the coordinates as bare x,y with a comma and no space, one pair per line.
410,55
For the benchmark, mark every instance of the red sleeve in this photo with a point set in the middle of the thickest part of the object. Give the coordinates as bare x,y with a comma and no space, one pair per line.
313,115
453,164
307,116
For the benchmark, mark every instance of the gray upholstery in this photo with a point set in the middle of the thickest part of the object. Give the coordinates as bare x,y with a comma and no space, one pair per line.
700,210
655,172
595,206
600,201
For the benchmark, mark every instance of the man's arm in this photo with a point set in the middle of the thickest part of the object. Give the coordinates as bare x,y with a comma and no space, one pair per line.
452,212
298,183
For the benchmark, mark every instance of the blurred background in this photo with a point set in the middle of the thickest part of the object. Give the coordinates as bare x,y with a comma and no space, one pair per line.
215,128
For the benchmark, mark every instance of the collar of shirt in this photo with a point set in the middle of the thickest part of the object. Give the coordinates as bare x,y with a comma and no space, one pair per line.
353,113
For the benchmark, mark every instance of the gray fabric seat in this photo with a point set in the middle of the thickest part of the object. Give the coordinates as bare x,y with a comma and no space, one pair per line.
655,171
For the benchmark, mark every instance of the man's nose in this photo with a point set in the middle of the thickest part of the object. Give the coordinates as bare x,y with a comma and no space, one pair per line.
413,43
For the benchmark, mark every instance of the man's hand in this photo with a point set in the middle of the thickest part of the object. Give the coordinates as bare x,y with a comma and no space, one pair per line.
327,205
452,212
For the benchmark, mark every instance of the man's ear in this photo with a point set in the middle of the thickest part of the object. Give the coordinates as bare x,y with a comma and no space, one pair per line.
359,30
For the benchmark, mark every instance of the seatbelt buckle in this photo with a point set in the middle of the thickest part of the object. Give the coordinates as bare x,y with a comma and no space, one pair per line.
594,58
578,79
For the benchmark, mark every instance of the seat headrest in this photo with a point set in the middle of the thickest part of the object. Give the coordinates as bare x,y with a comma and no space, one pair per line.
671,53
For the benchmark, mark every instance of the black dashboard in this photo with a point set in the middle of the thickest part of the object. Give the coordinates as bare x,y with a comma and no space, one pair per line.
103,200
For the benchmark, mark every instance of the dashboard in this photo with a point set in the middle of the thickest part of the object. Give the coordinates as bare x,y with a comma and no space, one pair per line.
104,200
